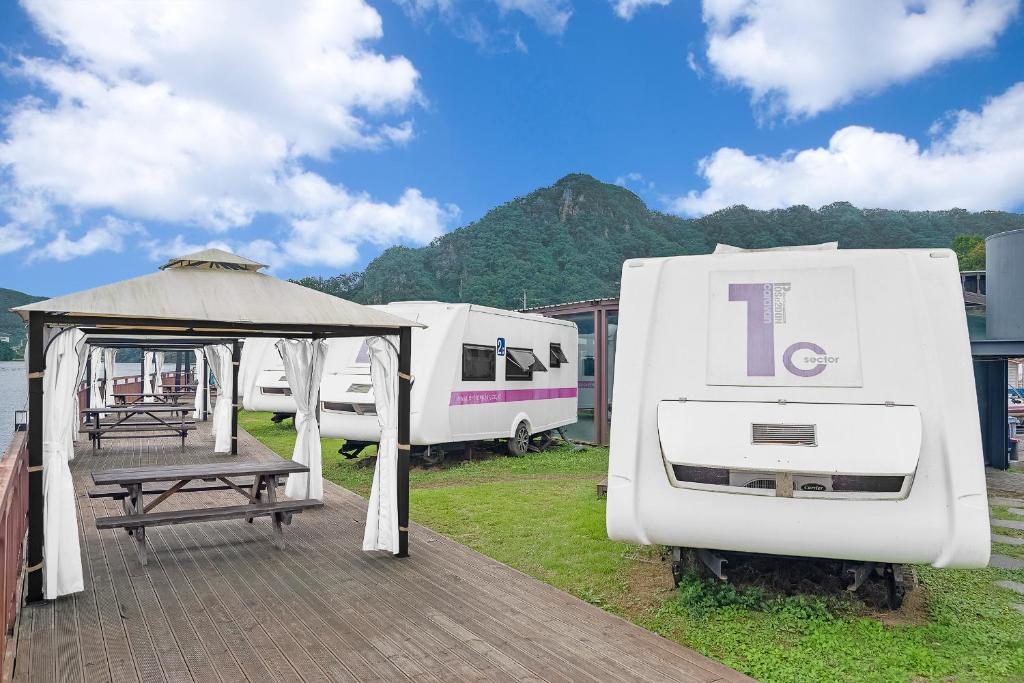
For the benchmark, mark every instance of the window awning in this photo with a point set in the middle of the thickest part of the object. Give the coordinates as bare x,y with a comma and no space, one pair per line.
525,360
556,351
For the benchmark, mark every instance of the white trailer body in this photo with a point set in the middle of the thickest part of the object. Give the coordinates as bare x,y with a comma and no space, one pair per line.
467,384
802,403
271,392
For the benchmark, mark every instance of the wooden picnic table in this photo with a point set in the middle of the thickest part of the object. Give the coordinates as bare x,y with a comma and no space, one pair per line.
259,489
137,420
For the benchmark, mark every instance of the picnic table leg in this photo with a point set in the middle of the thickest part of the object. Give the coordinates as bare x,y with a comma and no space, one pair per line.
272,498
140,532
96,434
256,495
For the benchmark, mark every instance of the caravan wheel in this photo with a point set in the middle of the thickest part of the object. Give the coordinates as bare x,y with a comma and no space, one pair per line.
520,442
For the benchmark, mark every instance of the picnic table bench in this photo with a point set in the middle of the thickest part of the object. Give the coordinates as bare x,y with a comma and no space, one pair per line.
259,487
137,420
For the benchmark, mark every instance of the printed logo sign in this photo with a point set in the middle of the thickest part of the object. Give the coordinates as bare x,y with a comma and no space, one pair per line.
783,328
499,348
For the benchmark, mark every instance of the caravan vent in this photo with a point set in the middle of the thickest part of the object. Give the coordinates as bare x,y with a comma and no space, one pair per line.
761,484
786,435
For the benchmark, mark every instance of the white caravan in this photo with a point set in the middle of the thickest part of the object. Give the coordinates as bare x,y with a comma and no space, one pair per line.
478,373
801,402
271,391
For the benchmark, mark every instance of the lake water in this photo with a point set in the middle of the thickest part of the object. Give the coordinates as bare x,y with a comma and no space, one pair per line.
13,396
14,392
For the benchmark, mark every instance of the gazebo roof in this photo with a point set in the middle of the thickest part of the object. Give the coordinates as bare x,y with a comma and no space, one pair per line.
216,286
214,259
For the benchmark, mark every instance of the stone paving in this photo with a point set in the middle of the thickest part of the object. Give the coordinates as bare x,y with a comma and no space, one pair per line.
1011,484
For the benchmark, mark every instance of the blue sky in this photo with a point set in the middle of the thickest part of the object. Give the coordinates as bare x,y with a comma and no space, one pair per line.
312,136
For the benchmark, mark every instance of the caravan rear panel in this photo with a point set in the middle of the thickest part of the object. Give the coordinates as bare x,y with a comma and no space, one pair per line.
806,403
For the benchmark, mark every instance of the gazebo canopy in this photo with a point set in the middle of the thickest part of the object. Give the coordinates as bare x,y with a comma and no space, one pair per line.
215,285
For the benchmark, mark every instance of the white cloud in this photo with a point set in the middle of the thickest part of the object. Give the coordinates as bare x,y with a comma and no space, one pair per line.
801,58
330,235
473,21
551,16
107,236
13,237
974,161
201,114
626,9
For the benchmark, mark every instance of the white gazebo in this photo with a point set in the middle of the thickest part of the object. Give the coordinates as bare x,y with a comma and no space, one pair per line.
215,299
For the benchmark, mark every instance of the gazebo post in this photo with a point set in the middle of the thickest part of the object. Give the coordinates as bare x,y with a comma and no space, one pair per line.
404,385
36,366
236,360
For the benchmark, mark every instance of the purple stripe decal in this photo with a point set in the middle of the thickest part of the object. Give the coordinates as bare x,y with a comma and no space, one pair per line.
472,398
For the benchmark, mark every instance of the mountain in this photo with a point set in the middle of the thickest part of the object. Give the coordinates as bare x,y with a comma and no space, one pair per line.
567,242
10,323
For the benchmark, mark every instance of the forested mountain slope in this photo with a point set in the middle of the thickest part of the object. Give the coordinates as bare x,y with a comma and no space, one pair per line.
567,242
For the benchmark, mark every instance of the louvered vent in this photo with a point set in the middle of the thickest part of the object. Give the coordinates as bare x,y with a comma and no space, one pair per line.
785,435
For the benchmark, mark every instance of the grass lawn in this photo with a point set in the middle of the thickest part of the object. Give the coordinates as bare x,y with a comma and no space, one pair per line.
540,514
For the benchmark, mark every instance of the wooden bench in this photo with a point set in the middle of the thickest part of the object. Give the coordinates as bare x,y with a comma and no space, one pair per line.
152,420
260,490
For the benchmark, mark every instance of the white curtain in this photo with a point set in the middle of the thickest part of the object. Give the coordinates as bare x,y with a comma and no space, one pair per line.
304,368
382,513
158,372
95,360
254,354
109,358
201,376
219,356
65,365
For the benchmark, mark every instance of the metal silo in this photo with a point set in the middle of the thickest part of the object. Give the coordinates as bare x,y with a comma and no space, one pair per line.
1004,268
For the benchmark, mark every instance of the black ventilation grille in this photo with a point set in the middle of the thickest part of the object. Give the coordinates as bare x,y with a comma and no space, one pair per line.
841,483
785,435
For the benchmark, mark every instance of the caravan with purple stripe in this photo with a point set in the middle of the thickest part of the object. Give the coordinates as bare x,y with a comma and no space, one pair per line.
479,373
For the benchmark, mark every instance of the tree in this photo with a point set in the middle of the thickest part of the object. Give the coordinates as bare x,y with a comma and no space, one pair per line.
340,285
970,251
7,352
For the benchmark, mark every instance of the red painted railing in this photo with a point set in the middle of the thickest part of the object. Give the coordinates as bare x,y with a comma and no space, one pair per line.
13,525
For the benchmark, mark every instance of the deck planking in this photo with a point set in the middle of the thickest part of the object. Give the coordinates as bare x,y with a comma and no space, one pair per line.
219,603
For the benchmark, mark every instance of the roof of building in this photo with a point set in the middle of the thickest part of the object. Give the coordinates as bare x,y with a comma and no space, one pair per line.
583,302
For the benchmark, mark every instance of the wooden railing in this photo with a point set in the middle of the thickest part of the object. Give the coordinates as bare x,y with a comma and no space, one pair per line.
132,384
13,525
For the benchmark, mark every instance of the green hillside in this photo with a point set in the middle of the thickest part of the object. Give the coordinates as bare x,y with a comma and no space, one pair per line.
10,323
567,242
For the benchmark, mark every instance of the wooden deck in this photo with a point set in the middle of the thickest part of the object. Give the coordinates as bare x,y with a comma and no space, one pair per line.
218,603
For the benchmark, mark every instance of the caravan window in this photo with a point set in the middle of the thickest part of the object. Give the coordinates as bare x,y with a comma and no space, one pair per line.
557,357
520,364
478,363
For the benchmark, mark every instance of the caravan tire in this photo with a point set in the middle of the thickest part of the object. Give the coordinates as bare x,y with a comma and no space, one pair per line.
520,441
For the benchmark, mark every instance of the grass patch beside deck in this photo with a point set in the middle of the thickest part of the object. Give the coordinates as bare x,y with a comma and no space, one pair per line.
540,514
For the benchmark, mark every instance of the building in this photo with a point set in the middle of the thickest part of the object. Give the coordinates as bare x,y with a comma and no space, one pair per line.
597,321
